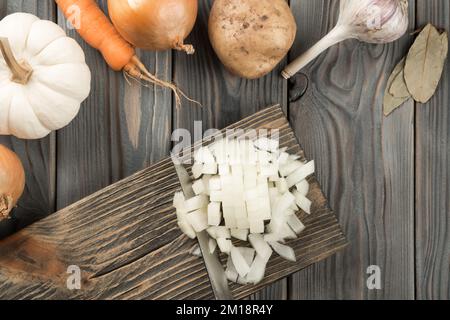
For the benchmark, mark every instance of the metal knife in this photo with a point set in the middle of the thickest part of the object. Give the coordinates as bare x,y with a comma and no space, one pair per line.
217,277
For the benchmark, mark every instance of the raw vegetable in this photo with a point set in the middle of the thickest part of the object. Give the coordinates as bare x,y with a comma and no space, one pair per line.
154,24
251,37
252,196
95,28
12,181
372,21
44,77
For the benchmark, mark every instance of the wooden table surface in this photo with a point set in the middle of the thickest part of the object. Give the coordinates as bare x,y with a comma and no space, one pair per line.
387,179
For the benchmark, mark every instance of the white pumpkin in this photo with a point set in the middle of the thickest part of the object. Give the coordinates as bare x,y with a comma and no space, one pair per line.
31,106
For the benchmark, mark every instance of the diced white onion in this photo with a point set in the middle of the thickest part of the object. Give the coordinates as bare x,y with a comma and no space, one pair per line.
303,202
198,219
212,244
196,202
224,245
198,187
240,234
214,214
284,251
209,168
257,270
300,174
295,223
197,169
244,190
302,187
239,262
261,247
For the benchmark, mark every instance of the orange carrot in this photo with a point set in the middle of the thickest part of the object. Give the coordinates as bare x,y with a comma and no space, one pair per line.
96,29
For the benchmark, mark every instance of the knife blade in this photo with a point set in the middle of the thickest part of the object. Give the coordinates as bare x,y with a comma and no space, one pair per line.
216,273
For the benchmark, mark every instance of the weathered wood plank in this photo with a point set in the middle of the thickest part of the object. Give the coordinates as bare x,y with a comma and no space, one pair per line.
128,246
38,156
365,162
432,175
122,127
225,98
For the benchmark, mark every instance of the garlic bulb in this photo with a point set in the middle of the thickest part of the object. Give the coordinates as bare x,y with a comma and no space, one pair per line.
372,21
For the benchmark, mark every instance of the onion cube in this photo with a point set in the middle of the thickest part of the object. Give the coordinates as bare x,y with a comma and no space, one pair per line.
240,234
214,214
239,262
284,251
197,169
214,184
204,155
212,244
303,187
303,202
206,179
300,174
197,202
256,225
209,168
229,217
295,223
230,271
261,247
283,158
178,199
282,185
248,254
283,203
198,219
267,144
225,245
198,187
187,229
257,270
289,167
215,196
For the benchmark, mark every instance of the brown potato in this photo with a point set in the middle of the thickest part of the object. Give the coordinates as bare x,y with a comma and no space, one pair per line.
251,37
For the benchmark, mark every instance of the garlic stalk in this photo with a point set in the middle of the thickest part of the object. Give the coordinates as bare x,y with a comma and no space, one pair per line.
373,21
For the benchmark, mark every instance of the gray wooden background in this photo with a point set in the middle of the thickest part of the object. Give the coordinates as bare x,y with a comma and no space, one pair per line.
387,179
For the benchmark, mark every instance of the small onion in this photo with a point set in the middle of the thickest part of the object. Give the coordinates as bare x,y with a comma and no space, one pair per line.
154,24
12,181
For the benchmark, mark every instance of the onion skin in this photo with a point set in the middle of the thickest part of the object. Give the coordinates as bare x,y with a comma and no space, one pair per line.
154,24
12,181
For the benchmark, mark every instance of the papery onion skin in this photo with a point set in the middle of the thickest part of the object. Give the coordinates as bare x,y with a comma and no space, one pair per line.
12,181
154,24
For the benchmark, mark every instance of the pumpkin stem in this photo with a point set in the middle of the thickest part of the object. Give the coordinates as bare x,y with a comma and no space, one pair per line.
6,205
21,70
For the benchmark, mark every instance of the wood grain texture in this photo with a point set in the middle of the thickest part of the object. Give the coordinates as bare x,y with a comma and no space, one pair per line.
122,127
37,156
128,246
225,98
365,162
432,174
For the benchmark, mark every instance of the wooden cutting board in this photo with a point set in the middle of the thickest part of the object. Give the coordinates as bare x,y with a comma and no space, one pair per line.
126,242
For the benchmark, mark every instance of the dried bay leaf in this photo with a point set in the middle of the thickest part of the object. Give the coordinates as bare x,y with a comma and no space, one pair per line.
390,102
425,63
398,88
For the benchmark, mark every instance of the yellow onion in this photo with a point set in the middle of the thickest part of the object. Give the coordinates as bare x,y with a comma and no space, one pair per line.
154,24
12,181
